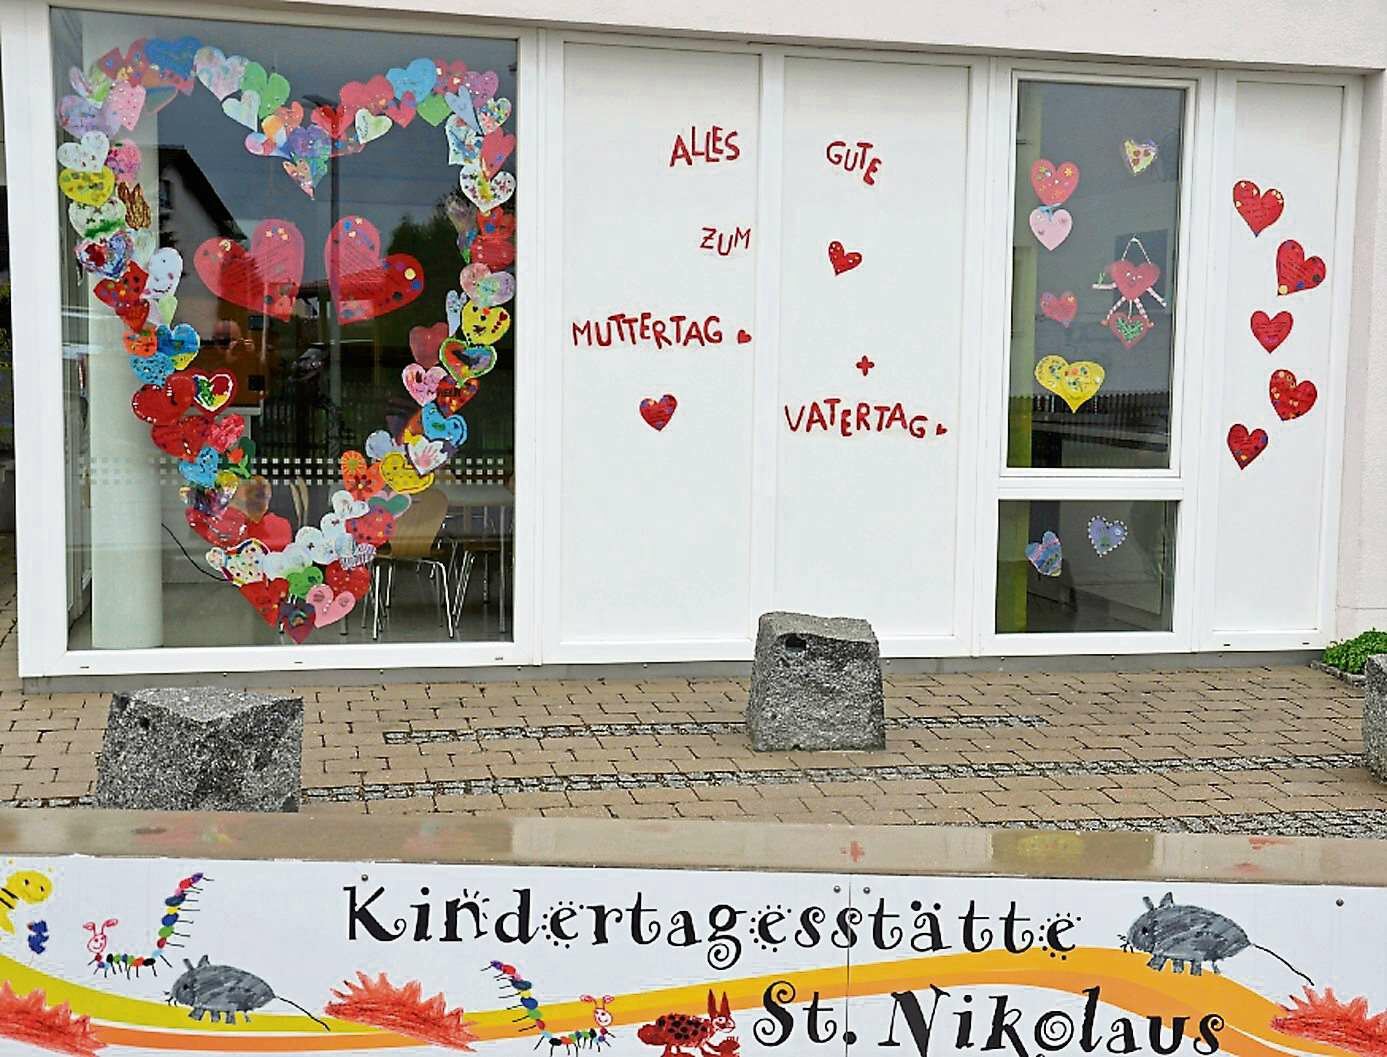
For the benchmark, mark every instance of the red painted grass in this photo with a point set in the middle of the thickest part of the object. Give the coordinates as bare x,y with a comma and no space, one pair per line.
402,1009
30,1019
1326,1019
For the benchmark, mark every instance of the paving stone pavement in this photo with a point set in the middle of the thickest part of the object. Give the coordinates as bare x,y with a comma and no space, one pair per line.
1273,750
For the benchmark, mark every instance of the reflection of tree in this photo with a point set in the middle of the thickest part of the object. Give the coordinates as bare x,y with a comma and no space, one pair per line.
433,243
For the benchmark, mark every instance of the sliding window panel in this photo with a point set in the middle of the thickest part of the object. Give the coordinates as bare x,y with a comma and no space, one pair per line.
659,195
870,370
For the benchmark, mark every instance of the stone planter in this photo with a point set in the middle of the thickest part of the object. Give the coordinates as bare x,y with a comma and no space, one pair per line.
1375,717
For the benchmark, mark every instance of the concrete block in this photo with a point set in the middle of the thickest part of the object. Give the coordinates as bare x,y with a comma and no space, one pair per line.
1375,716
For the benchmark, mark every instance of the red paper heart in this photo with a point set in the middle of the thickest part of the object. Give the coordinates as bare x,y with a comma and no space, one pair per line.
266,596
1062,308
743,337
451,397
1289,399
161,405
492,251
264,279
296,617
496,148
364,286
1296,272
357,580
1259,208
1133,280
1246,446
226,431
403,112
271,530
1271,331
337,121
424,342
126,295
657,413
225,529
375,95
495,224
1054,183
841,260
184,438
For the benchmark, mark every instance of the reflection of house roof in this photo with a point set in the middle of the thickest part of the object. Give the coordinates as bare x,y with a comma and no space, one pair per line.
198,186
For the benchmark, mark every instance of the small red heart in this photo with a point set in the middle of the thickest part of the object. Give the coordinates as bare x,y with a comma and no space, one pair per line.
1271,331
182,439
225,529
356,580
1259,208
1246,446
365,286
336,121
266,596
1289,399
1062,308
1296,272
1133,280
271,530
657,413
940,429
1054,183
841,260
424,342
161,405
743,337
225,431
493,251
451,397
126,295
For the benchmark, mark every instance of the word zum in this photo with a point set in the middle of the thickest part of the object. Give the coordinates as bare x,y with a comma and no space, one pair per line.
722,243
718,145
863,417
853,158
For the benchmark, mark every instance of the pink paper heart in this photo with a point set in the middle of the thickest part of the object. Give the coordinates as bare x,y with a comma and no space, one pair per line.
424,343
422,383
124,161
481,86
1051,227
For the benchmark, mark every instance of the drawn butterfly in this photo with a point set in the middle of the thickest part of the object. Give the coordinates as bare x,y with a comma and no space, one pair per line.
1047,555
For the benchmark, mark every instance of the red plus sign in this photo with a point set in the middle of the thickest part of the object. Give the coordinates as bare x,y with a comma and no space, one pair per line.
864,365
854,852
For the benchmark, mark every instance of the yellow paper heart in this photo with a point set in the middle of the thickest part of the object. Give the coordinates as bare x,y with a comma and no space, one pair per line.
401,476
89,188
1075,383
484,326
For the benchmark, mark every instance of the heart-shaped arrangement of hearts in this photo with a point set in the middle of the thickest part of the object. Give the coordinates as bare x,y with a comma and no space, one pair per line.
298,578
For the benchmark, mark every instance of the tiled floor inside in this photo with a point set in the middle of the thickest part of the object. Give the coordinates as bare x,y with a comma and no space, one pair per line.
1259,750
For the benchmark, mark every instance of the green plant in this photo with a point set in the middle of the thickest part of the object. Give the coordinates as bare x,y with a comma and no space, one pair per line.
1351,654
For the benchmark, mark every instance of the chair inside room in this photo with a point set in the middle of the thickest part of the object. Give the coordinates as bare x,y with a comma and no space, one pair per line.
415,544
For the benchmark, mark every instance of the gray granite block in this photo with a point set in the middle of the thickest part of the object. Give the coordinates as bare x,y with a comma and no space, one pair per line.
201,749
816,684
1375,716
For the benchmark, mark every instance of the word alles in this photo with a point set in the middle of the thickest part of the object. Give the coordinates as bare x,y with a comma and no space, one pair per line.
718,144
852,158
860,418
621,329
723,244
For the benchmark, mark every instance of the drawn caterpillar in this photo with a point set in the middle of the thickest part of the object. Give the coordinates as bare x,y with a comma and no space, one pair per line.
174,907
594,1037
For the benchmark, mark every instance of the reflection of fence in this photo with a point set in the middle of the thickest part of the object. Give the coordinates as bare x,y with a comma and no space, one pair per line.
1138,421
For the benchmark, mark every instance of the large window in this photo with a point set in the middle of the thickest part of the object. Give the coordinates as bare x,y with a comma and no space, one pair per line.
288,286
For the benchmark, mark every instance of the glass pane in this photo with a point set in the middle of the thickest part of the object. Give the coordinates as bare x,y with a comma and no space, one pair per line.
1085,565
1093,275
264,228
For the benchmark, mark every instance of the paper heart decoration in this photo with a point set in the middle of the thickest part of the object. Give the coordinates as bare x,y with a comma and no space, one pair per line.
173,58
484,326
371,126
360,479
1062,308
179,343
493,252
437,426
492,114
1289,399
462,107
355,580
220,74
1129,327
244,109
282,561
89,188
271,89
1047,556
375,529
657,413
79,116
496,148
1271,331
329,607
486,288
142,342
1133,279
252,497
124,160
221,528
495,224
126,295
424,342
1246,446
88,154
264,278
202,469
427,455
451,397
1139,156
107,256
295,614
395,505
1106,536
841,260
165,270
1051,226
464,142
452,76
1075,383
184,438
338,122
137,212
403,112
271,530
94,222
453,309
417,79
1260,209
1294,272
484,192
422,383
236,460
466,362
152,370
322,548
1053,183
241,564
380,444
373,96
481,86
266,596
213,392
365,286
434,109
402,477
125,102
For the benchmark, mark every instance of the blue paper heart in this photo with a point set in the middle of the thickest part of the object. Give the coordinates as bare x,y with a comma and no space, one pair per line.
152,370
1047,555
182,340
202,471
1106,536
173,56
461,105
437,426
418,78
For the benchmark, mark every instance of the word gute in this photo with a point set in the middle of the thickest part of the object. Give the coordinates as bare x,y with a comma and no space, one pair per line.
718,145
862,417
622,329
722,243
854,157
